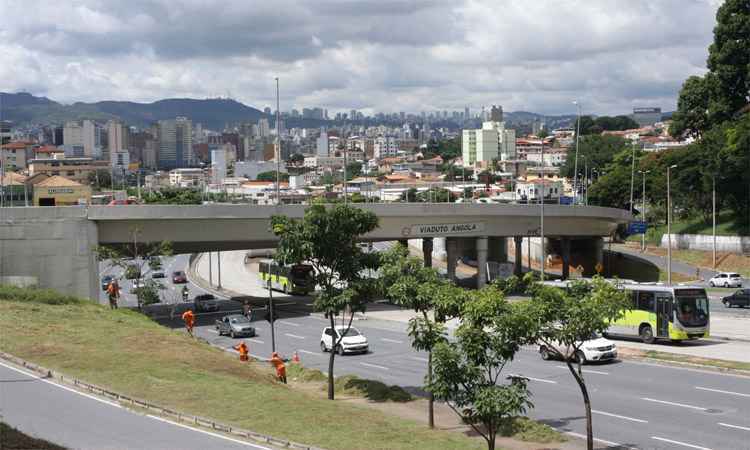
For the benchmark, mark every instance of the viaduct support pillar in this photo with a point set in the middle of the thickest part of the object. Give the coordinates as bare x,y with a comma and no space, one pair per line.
518,268
427,251
565,246
451,249
481,262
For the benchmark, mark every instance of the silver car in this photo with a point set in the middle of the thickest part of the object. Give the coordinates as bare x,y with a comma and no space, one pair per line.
235,325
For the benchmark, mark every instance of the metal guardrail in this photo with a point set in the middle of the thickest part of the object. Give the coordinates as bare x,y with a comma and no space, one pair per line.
167,412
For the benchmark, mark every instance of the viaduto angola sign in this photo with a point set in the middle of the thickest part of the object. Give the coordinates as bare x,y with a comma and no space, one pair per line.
442,228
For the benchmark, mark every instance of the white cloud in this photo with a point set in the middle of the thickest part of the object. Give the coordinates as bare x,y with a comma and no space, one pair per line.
534,55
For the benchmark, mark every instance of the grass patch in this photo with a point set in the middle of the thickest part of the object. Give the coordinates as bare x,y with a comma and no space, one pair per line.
527,430
726,225
370,389
297,372
12,439
719,363
127,352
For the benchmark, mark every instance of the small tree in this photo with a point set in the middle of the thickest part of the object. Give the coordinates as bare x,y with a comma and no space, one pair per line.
570,317
467,372
132,258
406,282
327,239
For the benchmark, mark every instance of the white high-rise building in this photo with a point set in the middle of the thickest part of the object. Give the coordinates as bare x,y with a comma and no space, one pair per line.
91,139
385,147
264,129
492,141
73,139
175,143
322,144
218,165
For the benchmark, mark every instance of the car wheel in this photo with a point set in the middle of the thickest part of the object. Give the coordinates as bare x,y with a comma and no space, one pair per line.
544,353
580,357
323,347
231,333
711,283
726,285
286,289
341,350
647,334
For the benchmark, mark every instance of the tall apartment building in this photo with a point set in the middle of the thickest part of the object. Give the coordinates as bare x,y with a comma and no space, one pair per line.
264,129
322,144
73,139
385,147
91,139
492,141
116,141
175,143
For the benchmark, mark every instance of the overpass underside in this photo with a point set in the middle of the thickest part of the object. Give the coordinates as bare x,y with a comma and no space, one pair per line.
56,245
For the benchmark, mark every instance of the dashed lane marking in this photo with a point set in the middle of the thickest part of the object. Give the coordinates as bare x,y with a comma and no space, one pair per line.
733,426
288,323
391,340
374,366
722,392
294,336
598,372
619,416
681,405
684,444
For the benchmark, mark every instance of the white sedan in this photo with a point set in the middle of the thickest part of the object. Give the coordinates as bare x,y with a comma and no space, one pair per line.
352,342
595,349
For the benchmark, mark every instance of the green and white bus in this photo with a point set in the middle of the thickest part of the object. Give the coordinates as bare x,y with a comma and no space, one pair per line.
290,279
658,311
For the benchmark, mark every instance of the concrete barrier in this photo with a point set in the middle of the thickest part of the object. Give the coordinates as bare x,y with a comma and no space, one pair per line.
728,244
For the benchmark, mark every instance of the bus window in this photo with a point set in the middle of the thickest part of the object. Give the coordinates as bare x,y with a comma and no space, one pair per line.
646,301
692,311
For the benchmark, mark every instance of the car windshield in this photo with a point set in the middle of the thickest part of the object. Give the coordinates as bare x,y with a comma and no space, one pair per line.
734,275
239,320
692,311
350,332
178,274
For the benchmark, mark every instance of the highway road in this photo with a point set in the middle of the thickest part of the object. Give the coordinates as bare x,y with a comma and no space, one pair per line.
76,420
637,405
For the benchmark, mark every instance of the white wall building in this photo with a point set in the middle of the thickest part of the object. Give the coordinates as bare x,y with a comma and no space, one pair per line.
186,177
73,139
322,144
251,169
324,162
492,141
218,165
385,147
532,189
552,157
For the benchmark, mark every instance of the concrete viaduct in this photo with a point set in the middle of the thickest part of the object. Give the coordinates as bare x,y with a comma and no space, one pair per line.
53,247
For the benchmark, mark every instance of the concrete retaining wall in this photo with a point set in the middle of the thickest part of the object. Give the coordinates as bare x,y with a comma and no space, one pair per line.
729,244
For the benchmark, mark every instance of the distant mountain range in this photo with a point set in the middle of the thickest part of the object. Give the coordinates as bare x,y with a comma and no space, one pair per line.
23,108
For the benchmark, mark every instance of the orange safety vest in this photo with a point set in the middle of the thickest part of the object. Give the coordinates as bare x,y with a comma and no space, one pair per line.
279,365
188,317
242,349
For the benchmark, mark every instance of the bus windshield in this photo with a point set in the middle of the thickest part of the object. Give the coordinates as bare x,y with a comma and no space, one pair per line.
692,311
301,272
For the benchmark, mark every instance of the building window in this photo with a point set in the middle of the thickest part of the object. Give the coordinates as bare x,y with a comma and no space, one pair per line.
71,173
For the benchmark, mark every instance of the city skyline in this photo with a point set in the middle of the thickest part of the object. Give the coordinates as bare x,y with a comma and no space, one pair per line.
408,57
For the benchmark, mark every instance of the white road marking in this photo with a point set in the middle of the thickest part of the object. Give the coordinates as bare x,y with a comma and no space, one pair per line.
586,370
541,380
391,340
257,341
681,405
375,366
38,378
619,416
307,352
212,331
237,441
285,304
583,436
418,358
294,336
288,323
680,443
722,392
734,426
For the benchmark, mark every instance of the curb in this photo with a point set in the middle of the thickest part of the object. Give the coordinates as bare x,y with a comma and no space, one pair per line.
175,415
665,362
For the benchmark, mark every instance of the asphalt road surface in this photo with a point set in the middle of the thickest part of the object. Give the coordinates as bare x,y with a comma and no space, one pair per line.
76,420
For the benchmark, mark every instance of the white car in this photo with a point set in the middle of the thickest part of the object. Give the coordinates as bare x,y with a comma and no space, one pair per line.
595,349
726,279
353,341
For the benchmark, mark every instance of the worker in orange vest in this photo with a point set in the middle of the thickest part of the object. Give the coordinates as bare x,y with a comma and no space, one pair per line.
280,367
113,290
189,319
243,350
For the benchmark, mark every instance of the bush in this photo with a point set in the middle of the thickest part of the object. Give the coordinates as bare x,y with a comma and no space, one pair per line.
303,374
371,389
36,295
525,429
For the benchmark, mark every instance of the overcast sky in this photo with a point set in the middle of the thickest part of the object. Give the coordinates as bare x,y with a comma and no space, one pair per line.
374,55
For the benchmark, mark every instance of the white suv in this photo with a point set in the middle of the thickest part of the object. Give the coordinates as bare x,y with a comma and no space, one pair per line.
726,279
595,349
353,341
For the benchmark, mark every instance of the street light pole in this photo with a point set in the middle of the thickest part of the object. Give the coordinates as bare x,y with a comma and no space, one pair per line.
669,229
575,165
541,218
278,146
713,214
632,178
643,208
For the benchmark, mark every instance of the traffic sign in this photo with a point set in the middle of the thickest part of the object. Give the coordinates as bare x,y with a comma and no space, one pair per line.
639,227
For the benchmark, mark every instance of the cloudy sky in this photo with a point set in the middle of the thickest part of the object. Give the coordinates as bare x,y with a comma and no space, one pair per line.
374,55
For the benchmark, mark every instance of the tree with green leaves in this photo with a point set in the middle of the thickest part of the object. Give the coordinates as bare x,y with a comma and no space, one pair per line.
408,283
353,170
569,317
468,372
100,179
326,238
599,150
691,116
271,176
132,259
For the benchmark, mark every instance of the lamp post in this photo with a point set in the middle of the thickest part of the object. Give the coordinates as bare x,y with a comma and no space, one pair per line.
713,215
575,164
541,217
669,228
278,146
632,178
643,207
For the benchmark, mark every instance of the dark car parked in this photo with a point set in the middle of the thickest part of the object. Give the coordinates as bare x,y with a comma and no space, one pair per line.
740,298
235,325
206,303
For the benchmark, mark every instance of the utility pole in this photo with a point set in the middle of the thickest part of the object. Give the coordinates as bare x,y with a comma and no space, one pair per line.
643,208
541,227
210,268
575,165
278,146
669,229
270,310
713,214
632,178
218,268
